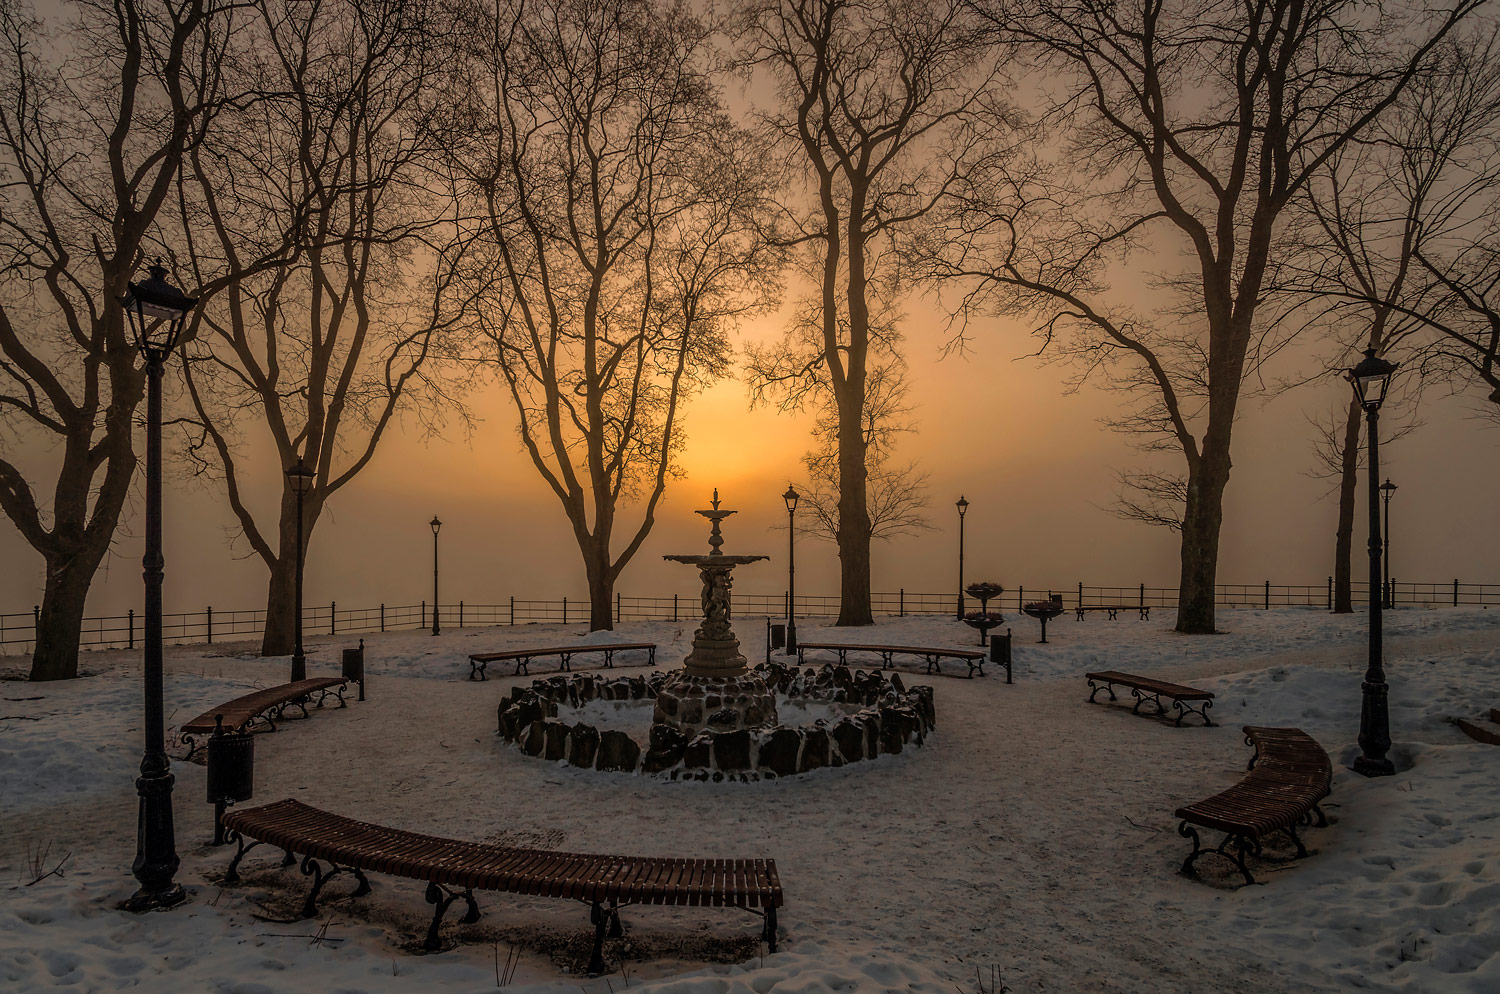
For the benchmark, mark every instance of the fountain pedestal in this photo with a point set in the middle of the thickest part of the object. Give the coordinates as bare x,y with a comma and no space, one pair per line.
715,688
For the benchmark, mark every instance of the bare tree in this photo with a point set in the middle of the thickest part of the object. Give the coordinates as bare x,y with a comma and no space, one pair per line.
1427,162
1457,246
316,229
621,212
896,493
1175,124
876,105
96,114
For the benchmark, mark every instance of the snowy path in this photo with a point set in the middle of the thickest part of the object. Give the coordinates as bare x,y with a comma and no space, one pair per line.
1034,832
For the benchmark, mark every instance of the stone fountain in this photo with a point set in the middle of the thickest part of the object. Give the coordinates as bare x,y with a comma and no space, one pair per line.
715,688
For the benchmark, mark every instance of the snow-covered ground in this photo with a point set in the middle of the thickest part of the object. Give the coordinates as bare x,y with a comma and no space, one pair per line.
1031,835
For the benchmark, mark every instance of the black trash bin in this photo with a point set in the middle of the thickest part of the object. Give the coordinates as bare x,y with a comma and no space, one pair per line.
775,638
1000,651
231,773
354,667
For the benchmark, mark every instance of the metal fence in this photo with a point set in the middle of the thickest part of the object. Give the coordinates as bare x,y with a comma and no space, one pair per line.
18,631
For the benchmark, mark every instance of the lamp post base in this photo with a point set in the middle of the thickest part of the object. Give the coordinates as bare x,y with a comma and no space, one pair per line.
1367,767
156,858
143,900
299,667
791,639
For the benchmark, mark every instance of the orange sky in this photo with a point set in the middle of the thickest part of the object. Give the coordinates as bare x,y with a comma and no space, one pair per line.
1034,463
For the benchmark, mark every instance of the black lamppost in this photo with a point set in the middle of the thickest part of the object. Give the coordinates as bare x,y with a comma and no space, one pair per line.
436,524
157,313
1371,378
301,477
791,496
1386,489
963,507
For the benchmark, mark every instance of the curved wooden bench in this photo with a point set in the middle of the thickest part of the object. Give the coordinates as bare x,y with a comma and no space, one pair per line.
975,660
1145,688
266,706
523,657
1114,610
1289,774
454,869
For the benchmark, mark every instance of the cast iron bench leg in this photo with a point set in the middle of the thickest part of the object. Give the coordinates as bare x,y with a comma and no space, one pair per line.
599,918
312,868
769,932
1095,688
232,875
441,898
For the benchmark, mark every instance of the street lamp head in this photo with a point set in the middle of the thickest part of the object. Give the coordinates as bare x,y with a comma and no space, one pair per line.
1387,488
962,505
436,524
791,497
1371,378
157,312
300,476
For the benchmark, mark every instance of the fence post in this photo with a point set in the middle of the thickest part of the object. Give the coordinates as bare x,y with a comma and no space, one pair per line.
460,614
36,620
1268,595
674,607
131,616
565,610
1020,597
1330,593
1390,594
210,612
902,604
382,616
1080,594
512,609
333,617
617,607
1143,595
423,619
1455,591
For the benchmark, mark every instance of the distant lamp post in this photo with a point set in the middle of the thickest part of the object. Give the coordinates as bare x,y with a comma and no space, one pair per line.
301,478
1386,489
157,314
791,497
1371,378
436,524
963,508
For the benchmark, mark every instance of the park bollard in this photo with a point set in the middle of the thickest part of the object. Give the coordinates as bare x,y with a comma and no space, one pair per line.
230,773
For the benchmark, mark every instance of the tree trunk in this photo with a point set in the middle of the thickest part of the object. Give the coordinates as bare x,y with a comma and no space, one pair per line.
601,578
61,621
279,636
1201,520
854,524
1343,544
